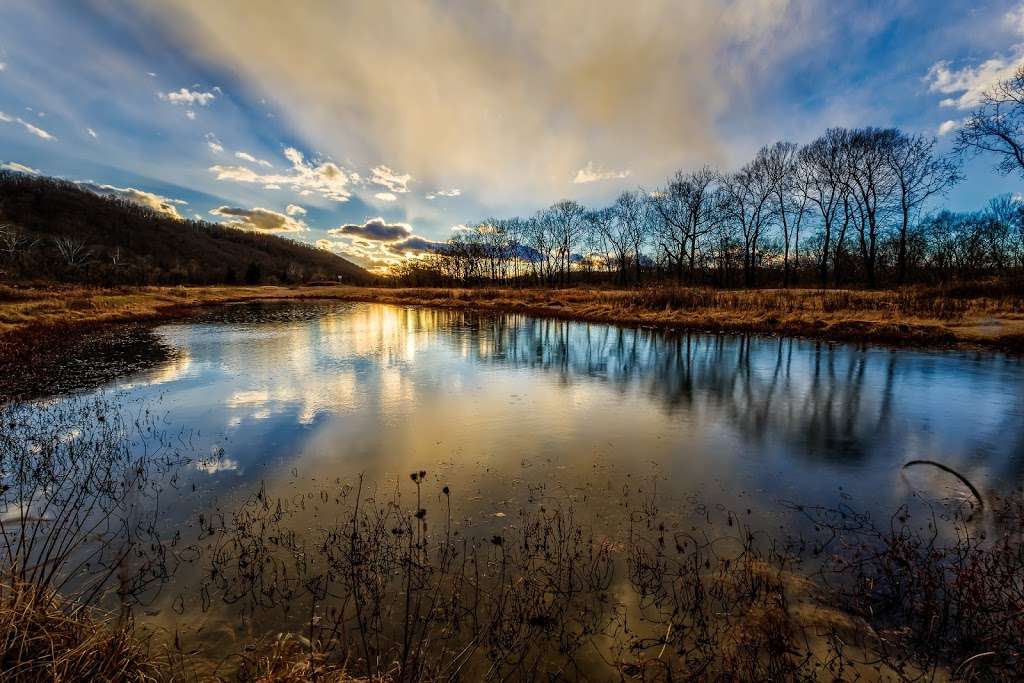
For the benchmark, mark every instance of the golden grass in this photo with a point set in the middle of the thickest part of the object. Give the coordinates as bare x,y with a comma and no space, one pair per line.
46,638
912,316
290,661
43,638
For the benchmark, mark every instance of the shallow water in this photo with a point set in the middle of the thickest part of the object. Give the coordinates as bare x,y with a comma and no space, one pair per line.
508,409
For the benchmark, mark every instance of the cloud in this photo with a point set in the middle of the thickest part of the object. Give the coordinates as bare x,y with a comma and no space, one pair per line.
325,178
415,245
592,173
91,133
968,84
386,196
395,182
375,229
947,127
18,168
189,97
377,245
190,115
214,144
1014,19
454,192
513,96
245,156
33,129
150,200
295,210
379,256
258,220
3,66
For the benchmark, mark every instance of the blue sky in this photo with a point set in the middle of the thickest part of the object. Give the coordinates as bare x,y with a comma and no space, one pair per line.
301,118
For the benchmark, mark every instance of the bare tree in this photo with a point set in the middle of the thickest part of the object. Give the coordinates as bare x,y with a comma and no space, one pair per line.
615,233
599,228
630,211
919,174
567,218
73,250
996,126
686,209
870,180
790,202
540,238
14,242
746,201
823,171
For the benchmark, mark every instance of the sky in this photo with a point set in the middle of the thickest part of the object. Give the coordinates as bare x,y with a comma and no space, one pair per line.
373,128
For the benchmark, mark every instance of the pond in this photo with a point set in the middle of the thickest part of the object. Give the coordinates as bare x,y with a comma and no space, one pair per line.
504,412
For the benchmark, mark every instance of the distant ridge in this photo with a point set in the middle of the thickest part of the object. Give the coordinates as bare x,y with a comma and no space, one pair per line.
56,230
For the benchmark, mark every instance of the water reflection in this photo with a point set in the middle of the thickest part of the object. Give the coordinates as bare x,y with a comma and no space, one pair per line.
365,383
509,409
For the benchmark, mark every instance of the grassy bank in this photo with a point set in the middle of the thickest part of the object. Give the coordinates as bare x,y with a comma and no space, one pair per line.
980,316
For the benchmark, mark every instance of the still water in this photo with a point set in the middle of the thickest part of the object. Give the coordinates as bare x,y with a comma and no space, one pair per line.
504,409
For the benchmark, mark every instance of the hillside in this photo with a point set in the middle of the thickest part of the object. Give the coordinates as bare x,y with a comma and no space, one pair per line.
58,231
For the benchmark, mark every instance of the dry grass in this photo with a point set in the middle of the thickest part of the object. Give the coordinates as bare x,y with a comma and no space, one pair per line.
46,638
290,661
43,638
989,315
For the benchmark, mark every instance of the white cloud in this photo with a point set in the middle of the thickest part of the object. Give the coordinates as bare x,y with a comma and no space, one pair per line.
386,196
295,210
150,200
454,192
151,74
190,97
91,133
592,173
3,66
1014,19
947,127
245,156
393,181
18,168
325,178
33,129
214,144
258,220
968,84
190,115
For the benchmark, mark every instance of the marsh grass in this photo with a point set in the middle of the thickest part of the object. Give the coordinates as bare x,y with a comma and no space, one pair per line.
46,638
385,594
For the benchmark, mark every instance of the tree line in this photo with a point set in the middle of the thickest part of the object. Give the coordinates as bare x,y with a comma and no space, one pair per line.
848,208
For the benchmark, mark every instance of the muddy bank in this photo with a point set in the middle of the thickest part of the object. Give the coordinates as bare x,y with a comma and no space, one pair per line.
67,359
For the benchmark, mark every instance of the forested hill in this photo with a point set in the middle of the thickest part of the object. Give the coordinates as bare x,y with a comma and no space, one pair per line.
56,230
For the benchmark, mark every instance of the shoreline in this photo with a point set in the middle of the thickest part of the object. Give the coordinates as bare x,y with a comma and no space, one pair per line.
33,317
